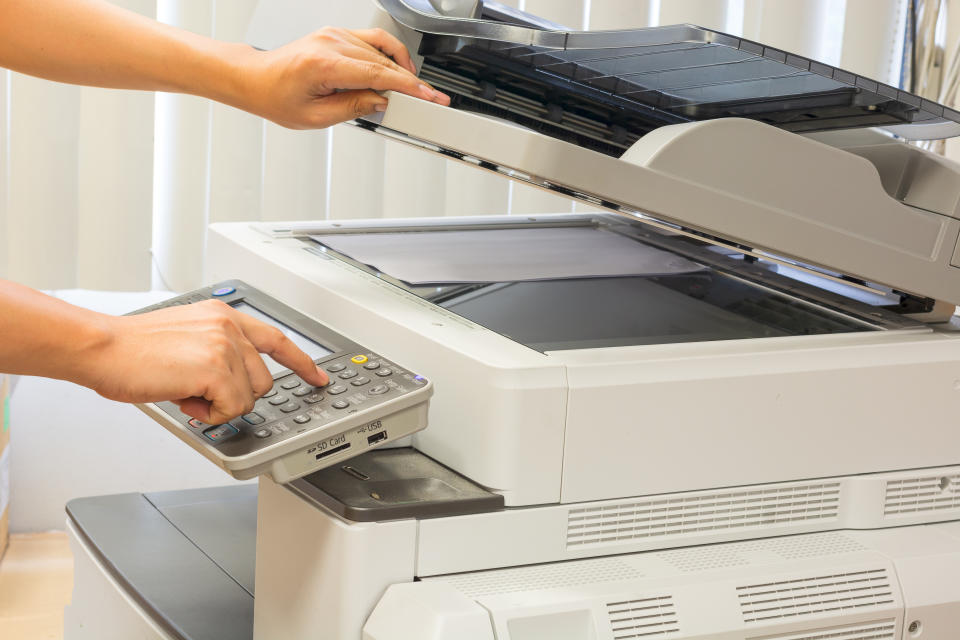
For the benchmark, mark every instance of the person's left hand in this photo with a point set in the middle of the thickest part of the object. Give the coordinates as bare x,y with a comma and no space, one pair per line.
330,76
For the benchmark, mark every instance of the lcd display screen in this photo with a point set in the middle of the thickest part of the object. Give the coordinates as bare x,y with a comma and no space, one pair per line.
311,348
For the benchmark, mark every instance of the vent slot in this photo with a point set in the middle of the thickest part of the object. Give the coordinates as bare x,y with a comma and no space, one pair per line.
821,594
702,513
877,630
917,495
643,618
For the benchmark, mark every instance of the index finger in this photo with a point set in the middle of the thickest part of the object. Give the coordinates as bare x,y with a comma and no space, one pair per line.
272,342
350,73
387,43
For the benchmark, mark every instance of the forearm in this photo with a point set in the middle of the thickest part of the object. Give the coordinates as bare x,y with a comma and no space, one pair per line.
43,336
92,42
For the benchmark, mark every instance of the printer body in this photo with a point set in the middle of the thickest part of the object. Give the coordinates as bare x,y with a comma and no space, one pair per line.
762,446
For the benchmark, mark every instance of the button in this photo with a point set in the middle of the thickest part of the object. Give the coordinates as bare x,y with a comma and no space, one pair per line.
278,400
303,391
263,433
358,359
349,373
334,368
269,394
302,419
221,432
224,291
340,404
336,389
370,366
313,398
290,384
383,373
289,407
359,382
378,389
253,418
196,424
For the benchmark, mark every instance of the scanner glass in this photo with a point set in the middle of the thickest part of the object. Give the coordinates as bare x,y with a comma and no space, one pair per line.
552,314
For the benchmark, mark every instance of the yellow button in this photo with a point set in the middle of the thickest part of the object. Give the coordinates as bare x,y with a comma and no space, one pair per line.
358,359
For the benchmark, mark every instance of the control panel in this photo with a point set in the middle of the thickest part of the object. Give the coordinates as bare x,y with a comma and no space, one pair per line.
296,428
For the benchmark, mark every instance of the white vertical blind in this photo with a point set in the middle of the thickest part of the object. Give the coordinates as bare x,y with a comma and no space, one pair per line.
96,178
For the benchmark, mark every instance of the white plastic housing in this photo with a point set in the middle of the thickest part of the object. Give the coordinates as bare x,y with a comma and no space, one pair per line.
610,423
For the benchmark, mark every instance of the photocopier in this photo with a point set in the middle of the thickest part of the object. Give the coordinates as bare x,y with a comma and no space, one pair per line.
725,404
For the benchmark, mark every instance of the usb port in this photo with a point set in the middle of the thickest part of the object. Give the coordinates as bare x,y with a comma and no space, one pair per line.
330,452
377,437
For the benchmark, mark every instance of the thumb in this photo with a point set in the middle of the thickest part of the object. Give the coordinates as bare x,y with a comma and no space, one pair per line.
347,105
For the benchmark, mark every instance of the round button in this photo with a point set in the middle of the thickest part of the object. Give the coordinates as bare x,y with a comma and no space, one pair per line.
370,366
302,419
291,384
334,368
263,433
341,404
224,291
358,359
383,373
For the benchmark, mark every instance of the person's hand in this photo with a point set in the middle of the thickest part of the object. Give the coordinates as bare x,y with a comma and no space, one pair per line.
205,357
330,76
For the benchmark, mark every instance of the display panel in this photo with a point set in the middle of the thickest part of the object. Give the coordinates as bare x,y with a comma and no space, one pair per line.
311,348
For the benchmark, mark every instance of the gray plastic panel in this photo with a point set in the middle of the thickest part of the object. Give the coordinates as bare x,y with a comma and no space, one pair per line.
221,521
394,484
604,89
170,575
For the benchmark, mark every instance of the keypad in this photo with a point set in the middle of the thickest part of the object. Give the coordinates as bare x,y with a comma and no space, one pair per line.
292,402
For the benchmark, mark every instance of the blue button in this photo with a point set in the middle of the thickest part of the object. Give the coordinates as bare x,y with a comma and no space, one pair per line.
224,291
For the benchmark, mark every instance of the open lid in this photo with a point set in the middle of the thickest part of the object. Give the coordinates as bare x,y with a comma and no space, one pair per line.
605,89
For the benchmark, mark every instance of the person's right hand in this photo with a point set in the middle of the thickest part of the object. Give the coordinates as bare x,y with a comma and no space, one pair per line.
329,76
204,357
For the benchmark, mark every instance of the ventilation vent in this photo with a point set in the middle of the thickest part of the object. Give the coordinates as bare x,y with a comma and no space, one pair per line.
546,576
809,596
915,495
878,630
645,618
702,513
741,554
